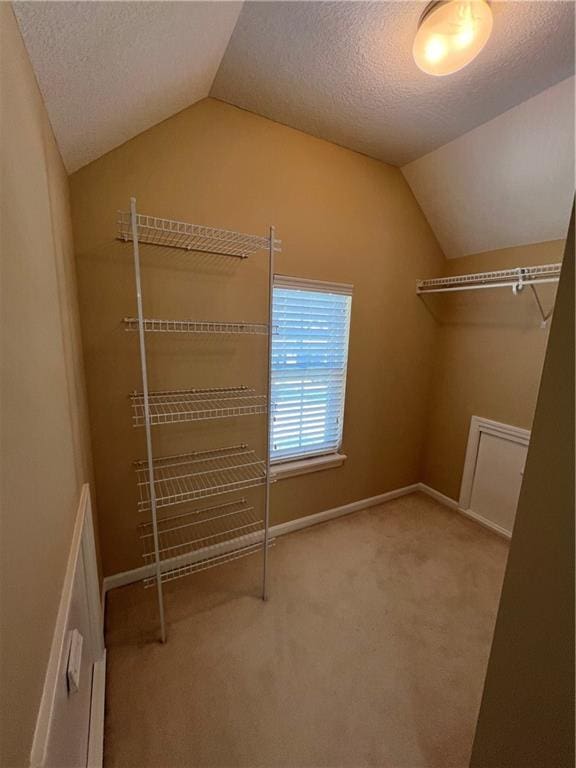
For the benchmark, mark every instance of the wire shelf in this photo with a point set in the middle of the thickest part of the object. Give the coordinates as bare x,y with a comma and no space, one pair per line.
210,561
153,325
195,531
191,237
198,475
545,273
178,405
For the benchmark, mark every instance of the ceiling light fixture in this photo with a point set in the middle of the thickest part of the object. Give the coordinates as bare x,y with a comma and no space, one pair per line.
451,33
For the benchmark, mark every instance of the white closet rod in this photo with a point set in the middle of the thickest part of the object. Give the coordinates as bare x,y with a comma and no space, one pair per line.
505,278
509,284
517,279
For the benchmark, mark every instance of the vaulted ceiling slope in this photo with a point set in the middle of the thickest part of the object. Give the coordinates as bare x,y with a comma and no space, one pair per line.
344,71
110,70
508,182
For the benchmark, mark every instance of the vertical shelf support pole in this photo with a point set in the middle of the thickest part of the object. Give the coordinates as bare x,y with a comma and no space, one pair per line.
134,224
265,569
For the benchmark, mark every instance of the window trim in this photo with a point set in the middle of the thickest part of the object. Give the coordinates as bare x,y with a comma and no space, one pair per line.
295,467
285,467
305,284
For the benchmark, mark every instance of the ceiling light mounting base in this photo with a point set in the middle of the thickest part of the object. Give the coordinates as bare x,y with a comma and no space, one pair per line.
429,8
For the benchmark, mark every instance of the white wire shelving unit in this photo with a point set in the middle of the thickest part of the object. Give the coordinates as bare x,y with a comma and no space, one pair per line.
517,279
181,544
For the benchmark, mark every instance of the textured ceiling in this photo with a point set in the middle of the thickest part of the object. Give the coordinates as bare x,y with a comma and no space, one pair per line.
109,70
344,71
507,182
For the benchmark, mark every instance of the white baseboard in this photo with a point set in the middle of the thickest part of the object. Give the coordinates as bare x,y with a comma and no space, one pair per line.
137,574
146,571
329,514
96,736
494,527
448,502
123,578
442,498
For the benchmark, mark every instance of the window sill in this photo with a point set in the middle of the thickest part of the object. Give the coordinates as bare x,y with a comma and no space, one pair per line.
304,466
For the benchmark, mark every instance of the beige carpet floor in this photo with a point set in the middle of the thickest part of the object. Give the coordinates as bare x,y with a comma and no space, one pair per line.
371,651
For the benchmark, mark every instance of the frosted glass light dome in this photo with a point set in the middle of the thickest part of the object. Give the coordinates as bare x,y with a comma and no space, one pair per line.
451,34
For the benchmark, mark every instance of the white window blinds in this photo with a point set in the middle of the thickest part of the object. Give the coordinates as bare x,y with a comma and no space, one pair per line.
309,355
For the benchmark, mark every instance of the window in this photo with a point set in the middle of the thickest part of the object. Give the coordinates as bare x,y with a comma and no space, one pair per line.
309,355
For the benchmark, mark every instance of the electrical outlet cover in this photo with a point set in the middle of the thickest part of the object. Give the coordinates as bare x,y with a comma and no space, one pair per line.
74,661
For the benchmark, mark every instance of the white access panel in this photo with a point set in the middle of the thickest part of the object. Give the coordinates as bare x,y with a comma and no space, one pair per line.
497,479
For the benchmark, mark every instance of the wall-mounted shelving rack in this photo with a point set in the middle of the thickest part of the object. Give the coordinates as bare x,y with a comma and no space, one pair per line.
516,279
185,543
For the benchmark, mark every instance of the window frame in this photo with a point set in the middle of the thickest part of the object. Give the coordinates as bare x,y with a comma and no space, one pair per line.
289,466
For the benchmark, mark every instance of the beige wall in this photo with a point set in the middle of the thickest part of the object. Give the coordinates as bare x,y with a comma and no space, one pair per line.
490,352
341,217
45,450
527,714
